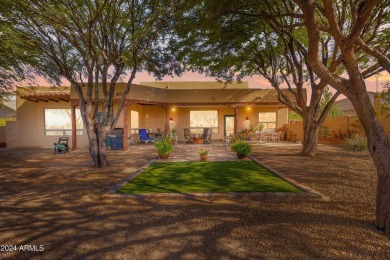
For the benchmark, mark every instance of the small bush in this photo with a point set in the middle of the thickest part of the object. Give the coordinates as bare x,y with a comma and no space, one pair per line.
357,143
242,148
165,146
203,152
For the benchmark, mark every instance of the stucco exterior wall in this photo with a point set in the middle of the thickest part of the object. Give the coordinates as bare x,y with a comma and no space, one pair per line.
181,119
153,117
12,134
31,124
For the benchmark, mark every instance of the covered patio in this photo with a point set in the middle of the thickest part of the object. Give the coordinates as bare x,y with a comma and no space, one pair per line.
46,113
166,107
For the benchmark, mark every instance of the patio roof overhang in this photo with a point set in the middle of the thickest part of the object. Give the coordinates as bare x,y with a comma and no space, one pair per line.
44,94
146,95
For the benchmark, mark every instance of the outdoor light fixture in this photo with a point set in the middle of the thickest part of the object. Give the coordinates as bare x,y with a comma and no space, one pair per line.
247,118
170,119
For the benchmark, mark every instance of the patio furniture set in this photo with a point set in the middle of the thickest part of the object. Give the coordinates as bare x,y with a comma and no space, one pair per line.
266,137
144,136
204,138
258,137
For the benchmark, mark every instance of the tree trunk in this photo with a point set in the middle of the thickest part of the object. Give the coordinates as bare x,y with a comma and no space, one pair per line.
102,148
93,144
310,138
379,148
97,145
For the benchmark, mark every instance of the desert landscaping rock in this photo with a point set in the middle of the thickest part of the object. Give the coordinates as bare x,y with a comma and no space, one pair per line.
57,201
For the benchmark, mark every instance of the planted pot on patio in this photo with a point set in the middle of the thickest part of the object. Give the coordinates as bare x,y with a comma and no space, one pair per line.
164,147
241,156
242,149
164,156
204,155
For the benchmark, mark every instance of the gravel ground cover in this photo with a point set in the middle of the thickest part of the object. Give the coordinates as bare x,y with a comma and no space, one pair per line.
55,201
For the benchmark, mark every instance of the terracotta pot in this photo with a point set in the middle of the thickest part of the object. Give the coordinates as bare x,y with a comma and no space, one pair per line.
203,157
164,156
241,156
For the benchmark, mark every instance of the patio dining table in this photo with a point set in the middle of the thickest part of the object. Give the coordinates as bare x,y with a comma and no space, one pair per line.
264,137
155,135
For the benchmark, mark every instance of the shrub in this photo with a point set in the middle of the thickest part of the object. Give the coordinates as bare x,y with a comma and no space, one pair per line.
357,143
242,148
203,152
165,145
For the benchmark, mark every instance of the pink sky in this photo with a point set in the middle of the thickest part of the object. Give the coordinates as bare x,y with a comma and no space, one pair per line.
254,82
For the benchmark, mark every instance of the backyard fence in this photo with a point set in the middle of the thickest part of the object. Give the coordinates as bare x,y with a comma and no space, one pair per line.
3,136
336,129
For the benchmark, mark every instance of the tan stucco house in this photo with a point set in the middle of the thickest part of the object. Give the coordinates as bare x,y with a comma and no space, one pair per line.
45,113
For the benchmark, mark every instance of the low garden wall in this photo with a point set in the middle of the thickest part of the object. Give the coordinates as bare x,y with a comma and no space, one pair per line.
335,129
3,136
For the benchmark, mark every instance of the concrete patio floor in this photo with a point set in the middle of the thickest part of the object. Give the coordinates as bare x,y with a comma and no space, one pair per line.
56,201
217,151
189,152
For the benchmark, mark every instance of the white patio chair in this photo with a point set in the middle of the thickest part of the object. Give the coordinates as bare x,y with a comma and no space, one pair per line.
275,137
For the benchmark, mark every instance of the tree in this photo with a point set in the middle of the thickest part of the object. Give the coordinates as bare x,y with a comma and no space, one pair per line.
334,110
15,57
231,40
92,44
350,24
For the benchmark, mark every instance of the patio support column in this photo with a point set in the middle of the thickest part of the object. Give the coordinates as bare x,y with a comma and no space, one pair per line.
73,117
125,127
235,120
167,120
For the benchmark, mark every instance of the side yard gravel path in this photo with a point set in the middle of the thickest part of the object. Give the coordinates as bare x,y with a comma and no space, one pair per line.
56,201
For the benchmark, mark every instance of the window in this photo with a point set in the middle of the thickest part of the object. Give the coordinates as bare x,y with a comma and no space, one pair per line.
268,119
134,124
202,119
58,122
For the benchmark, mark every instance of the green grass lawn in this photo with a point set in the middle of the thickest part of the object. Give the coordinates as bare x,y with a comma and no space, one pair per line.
189,177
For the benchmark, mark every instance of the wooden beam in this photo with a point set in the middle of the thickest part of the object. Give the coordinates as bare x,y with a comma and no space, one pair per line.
74,102
125,127
167,120
235,120
73,116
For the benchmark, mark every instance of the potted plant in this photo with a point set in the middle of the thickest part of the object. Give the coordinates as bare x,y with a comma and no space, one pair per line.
242,149
260,127
204,155
164,147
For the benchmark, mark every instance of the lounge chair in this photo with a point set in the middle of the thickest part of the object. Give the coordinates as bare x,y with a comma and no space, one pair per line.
207,135
187,136
62,145
144,137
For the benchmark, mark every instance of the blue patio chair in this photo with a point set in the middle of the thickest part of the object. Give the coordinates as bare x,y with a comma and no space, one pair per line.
144,137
